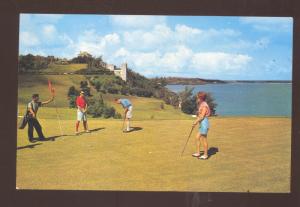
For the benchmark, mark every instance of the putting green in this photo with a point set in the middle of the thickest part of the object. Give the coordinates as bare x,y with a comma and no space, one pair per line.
248,153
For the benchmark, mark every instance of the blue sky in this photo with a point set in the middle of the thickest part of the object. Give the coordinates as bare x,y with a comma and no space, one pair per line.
228,48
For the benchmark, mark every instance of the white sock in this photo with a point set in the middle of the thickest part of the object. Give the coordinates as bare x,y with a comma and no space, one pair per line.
128,127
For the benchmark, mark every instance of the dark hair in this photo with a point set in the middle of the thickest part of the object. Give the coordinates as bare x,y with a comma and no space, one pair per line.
36,95
116,99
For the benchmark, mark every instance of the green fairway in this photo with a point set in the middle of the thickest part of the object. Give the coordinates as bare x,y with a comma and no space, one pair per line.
250,154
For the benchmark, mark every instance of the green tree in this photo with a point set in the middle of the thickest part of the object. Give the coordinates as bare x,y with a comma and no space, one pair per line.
97,108
72,95
189,102
72,91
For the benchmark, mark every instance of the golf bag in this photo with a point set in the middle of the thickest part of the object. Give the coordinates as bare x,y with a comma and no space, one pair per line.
23,122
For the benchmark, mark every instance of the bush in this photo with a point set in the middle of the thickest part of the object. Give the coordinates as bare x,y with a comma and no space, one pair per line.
108,111
189,102
97,85
112,90
124,91
97,108
73,92
72,95
72,101
189,106
117,116
140,92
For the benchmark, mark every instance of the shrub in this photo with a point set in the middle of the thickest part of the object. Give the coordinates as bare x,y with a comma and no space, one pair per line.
140,92
112,90
97,85
108,111
97,108
124,91
73,92
72,101
72,95
189,104
117,116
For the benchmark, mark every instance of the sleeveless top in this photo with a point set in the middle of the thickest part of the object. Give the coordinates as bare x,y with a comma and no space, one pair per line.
202,106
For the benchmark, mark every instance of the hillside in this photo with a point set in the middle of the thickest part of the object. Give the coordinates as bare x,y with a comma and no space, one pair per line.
144,108
68,68
187,81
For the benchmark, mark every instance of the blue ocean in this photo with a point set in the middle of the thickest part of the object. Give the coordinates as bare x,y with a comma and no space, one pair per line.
248,99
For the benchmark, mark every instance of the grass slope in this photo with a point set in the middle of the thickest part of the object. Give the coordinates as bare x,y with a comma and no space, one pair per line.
69,68
29,84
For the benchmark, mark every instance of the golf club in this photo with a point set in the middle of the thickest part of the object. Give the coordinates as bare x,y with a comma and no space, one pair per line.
187,139
123,124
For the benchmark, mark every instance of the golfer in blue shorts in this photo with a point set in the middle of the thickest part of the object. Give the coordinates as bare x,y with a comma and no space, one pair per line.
127,113
202,120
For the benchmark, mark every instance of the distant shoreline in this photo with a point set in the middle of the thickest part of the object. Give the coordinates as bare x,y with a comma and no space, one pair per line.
200,81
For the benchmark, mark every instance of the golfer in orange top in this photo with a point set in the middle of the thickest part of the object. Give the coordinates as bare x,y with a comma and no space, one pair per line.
202,120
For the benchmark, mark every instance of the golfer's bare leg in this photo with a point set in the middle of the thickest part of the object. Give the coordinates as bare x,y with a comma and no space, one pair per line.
77,126
203,140
85,125
198,136
127,124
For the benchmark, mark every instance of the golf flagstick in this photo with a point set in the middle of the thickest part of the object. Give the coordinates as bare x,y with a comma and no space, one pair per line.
52,91
58,118
187,140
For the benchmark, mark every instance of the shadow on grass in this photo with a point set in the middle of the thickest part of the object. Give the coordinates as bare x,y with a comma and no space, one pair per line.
30,146
135,129
53,138
91,131
97,129
132,129
212,151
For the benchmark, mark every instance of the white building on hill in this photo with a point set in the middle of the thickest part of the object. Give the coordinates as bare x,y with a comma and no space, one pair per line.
121,72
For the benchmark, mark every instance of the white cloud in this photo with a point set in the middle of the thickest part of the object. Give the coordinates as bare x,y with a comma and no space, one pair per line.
29,39
183,60
177,60
240,44
163,37
153,39
276,24
136,21
218,62
96,44
49,31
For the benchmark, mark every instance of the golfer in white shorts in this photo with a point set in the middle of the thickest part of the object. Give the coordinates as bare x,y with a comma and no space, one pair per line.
128,111
81,112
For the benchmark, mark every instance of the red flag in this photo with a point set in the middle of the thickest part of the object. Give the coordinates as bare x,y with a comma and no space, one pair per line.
51,89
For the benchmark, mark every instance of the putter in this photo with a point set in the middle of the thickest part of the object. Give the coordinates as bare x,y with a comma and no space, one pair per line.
123,125
187,139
